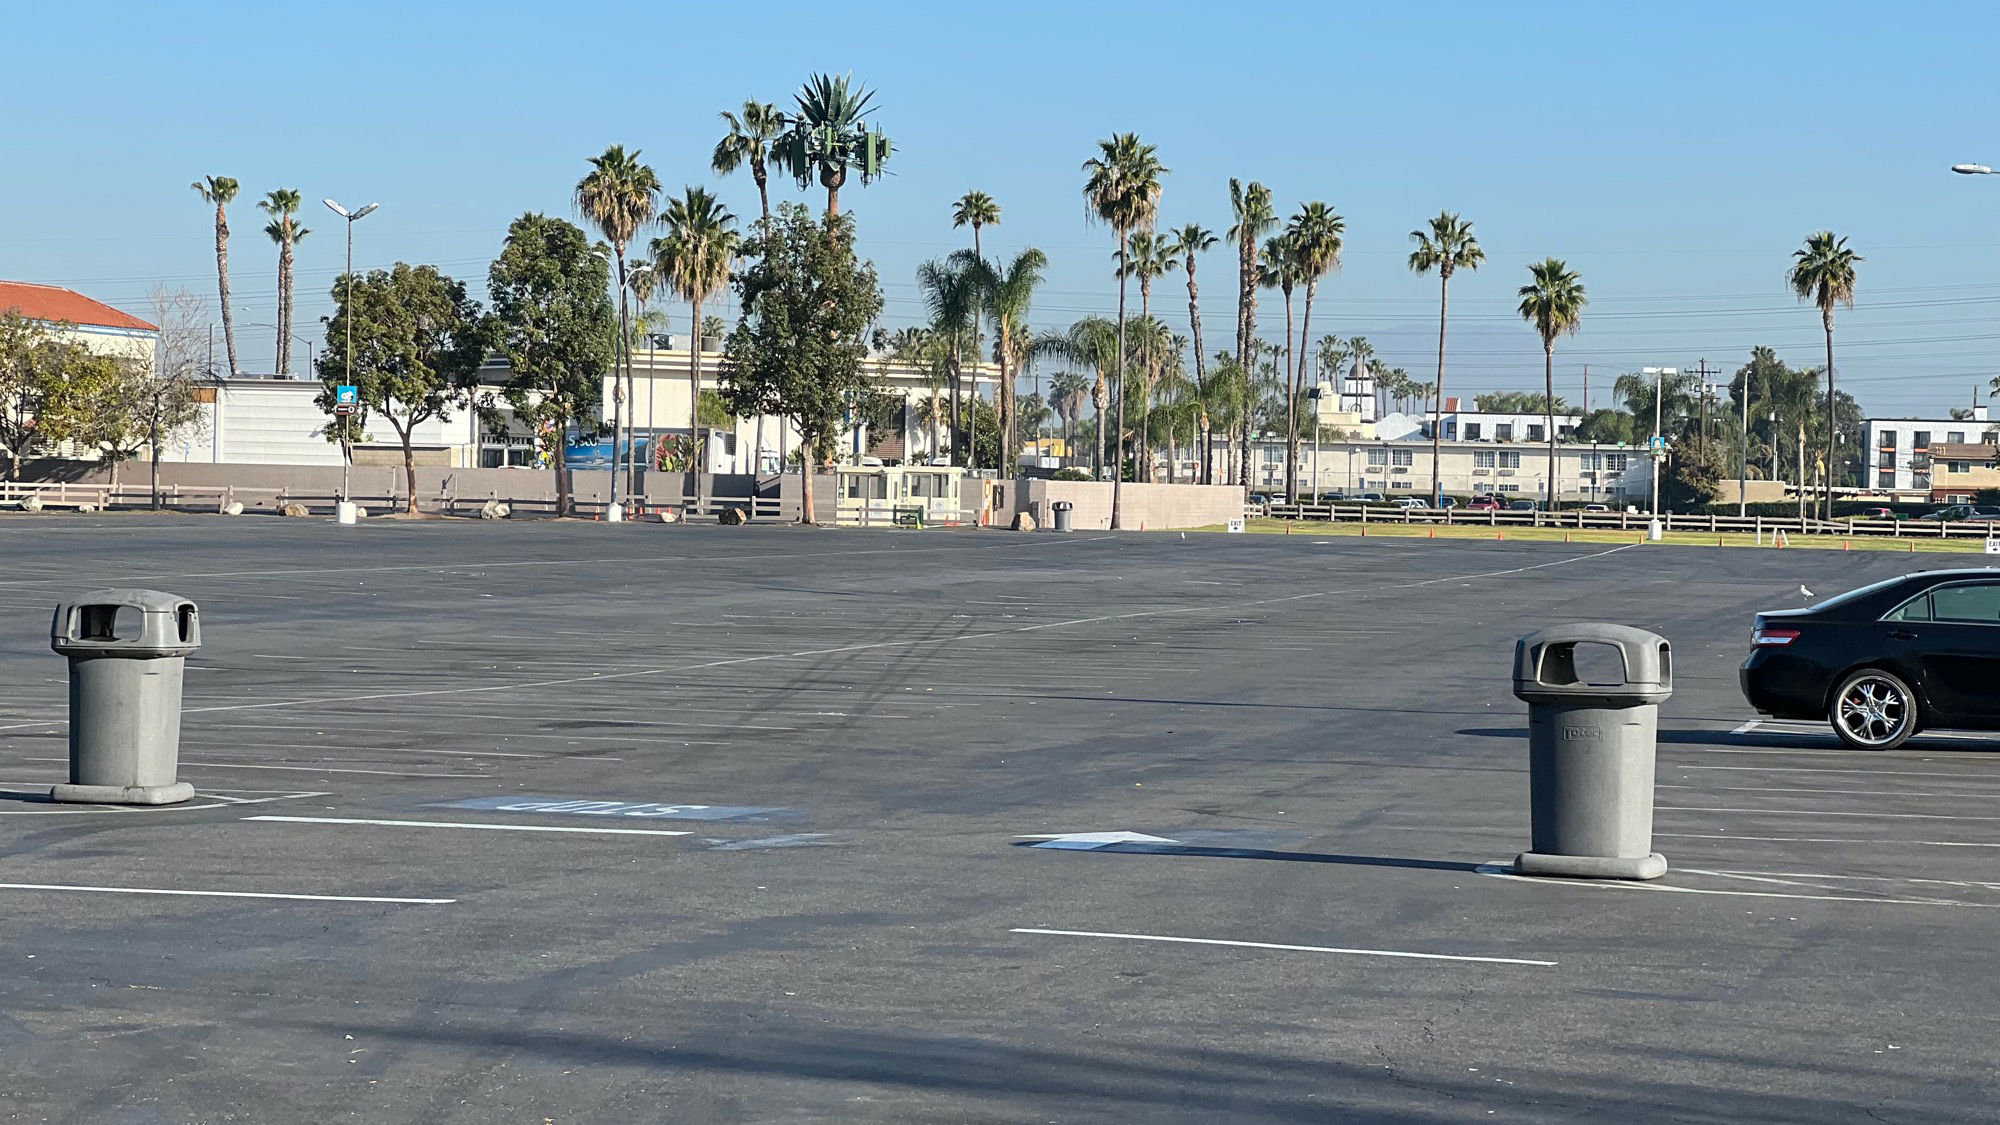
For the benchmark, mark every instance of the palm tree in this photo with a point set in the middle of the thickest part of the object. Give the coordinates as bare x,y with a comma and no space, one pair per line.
976,209
1446,246
749,143
1010,292
1092,340
1553,302
283,207
1149,256
1823,273
694,257
1067,392
1251,206
1123,191
1281,272
1188,241
1315,237
221,191
618,197
830,114
950,291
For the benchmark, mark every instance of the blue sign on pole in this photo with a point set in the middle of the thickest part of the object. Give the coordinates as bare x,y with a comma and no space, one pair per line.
346,399
1659,443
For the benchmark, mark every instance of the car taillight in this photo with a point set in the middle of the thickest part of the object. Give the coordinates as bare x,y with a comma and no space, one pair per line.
1774,636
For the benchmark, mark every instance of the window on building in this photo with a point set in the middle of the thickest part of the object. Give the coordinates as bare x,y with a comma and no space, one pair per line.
1592,462
1482,458
1404,457
1510,460
1886,459
1885,480
1921,440
1536,432
1616,462
1956,437
1888,439
1472,431
1400,482
1503,431
1510,488
1563,433
1481,487
1378,457
1451,430
1954,466
864,486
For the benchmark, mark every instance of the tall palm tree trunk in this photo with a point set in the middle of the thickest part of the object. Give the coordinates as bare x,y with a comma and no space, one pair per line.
1204,474
284,309
222,284
1291,411
1305,334
1826,316
698,463
1549,403
1118,468
1437,422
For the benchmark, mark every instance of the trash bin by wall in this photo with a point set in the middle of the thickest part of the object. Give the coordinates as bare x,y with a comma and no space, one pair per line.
127,653
1591,744
1062,510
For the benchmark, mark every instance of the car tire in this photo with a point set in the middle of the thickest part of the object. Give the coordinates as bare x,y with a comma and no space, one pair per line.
1873,710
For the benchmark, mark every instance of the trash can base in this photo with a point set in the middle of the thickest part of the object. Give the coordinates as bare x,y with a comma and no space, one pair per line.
123,794
1590,867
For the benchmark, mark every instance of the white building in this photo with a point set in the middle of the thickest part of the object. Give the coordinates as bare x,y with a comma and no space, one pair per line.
1897,453
100,328
263,421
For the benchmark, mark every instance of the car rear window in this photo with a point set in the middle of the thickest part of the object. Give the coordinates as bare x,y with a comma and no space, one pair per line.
1860,592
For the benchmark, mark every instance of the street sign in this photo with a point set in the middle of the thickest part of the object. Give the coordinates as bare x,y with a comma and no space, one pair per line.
1993,546
1659,444
1236,526
346,400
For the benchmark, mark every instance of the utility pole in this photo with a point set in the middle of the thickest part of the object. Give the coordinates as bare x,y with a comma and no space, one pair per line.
1703,371
1743,460
1586,390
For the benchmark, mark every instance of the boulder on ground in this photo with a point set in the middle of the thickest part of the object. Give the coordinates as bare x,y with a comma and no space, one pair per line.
732,517
86,508
32,503
669,515
294,510
360,512
1024,522
233,508
494,510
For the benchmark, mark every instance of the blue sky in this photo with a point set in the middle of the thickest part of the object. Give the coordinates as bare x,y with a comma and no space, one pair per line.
1674,154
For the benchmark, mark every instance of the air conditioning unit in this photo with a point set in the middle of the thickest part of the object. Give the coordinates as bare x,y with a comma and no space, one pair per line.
1587,475
1400,469
1506,472
1482,472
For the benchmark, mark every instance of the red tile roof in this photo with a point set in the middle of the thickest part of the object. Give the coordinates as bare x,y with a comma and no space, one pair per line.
55,304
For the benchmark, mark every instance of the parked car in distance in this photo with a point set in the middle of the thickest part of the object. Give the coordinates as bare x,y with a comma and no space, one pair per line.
1524,506
1597,507
1484,503
1444,504
1962,512
1873,514
1409,503
1371,498
1263,498
1333,498
1883,662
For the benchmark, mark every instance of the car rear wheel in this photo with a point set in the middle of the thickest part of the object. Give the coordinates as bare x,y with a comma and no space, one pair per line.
1873,710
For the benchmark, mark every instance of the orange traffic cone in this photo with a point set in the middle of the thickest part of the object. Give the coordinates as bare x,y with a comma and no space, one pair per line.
1434,533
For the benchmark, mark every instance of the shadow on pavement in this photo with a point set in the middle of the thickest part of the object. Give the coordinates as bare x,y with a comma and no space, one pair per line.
1136,848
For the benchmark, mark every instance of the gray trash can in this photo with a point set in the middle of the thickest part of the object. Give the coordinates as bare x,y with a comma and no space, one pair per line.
1590,749
127,651
1062,510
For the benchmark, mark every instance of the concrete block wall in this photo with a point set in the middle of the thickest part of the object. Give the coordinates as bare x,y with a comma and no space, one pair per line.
1151,506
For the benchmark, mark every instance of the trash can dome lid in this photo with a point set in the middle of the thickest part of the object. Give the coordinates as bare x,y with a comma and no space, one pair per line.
157,601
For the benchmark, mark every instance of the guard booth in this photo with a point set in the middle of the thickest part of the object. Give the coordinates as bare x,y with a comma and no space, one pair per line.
898,495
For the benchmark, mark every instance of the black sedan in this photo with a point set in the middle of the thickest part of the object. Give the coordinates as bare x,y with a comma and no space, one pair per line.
1885,661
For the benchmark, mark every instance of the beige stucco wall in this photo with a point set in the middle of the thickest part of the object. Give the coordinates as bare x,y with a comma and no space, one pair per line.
1147,506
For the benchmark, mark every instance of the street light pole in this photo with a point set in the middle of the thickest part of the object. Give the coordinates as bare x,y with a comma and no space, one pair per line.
1658,447
1743,462
347,315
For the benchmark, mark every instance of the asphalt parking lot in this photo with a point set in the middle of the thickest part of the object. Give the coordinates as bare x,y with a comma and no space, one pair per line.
586,823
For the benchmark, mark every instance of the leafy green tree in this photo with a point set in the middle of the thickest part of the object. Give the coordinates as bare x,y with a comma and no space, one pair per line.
1315,235
950,292
1446,247
84,399
1552,302
829,138
167,403
1009,293
1693,478
1122,190
26,362
221,191
751,143
1092,340
1608,427
1823,273
694,258
1189,240
800,350
284,230
1068,391
1518,402
553,320
418,342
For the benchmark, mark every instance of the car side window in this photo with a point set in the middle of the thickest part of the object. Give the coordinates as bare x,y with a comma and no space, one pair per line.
1916,609
1978,604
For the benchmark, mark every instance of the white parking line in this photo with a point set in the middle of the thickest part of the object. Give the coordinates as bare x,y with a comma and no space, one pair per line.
1825,840
1292,948
222,894
460,824
1828,812
295,769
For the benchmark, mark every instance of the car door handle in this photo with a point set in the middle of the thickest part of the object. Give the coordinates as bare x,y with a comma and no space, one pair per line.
1901,635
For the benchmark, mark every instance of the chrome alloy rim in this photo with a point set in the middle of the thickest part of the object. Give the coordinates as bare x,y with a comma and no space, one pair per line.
1872,711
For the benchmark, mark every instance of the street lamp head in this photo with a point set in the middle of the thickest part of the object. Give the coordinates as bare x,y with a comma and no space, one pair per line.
1972,169
363,213
337,208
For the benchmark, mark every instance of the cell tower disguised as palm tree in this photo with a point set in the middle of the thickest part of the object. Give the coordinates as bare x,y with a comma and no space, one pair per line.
221,191
1552,302
829,136
1823,273
283,207
1446,247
